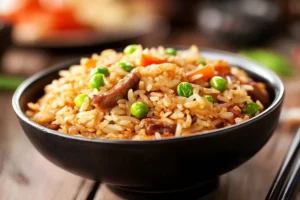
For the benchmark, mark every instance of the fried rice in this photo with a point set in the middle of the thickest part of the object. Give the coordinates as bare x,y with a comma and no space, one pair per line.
159,75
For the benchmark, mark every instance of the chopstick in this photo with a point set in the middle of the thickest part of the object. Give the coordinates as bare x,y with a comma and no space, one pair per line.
288,175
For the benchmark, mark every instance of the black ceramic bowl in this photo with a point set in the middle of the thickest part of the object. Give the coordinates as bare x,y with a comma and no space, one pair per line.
154,166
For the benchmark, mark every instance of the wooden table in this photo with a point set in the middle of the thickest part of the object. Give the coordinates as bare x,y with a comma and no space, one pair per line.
25,174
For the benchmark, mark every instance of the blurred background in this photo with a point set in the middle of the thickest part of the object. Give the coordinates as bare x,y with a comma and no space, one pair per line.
38,33
35,34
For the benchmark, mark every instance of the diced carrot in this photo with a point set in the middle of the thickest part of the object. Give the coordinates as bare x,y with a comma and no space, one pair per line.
147,59
91,63
200,74
222,67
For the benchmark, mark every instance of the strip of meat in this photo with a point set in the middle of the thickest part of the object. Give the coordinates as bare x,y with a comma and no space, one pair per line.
110,98
259,93
153,126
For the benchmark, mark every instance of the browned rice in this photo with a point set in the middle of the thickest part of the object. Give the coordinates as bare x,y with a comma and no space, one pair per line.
157,89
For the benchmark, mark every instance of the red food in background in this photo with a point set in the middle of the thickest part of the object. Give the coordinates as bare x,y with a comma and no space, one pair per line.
55,18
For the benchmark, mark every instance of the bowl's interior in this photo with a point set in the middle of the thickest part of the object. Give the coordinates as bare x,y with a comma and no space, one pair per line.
32,89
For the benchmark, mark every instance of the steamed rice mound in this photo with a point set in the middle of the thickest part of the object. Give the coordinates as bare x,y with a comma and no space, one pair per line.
156,88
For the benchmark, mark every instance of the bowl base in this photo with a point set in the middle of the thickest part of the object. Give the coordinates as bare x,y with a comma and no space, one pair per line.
193,192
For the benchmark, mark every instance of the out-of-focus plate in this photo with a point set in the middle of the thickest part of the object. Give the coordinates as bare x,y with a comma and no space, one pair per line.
83,38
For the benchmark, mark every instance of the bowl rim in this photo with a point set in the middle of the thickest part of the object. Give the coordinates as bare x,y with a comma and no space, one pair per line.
203,51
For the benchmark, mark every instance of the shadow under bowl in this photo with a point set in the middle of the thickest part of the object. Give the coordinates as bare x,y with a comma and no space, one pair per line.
154,165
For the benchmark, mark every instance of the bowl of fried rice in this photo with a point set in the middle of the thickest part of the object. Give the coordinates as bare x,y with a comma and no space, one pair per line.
151,119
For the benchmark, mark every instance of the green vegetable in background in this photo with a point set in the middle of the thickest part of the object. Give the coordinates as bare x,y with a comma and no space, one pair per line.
274,61
10,82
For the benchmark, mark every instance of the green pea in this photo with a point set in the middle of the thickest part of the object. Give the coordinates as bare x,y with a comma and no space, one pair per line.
184,89
100,70
139,109
252,108
201,62
171,51
209,98
79,99
96,81
125,65
130,49
218,83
